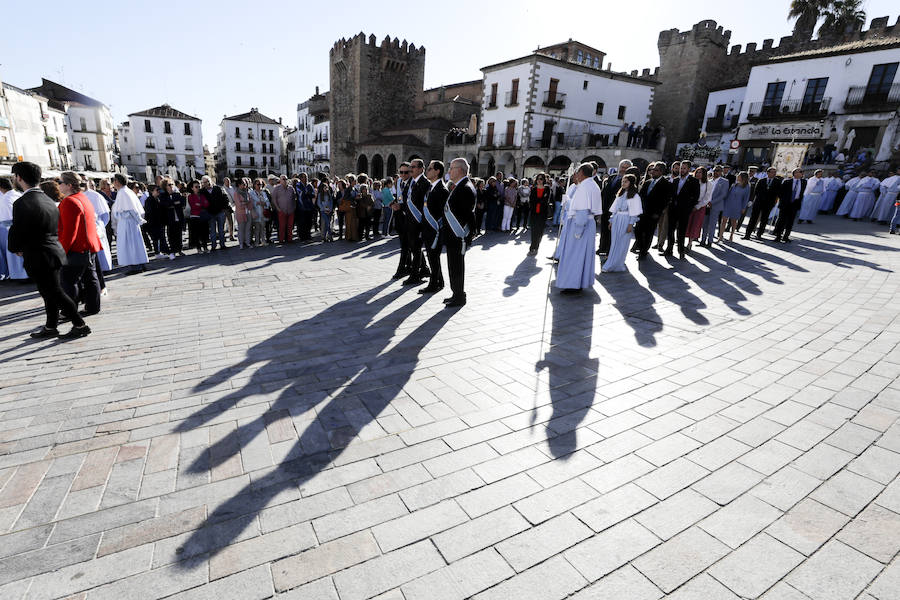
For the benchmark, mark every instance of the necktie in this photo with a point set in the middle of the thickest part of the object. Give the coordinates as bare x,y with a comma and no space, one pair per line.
796,188
650,189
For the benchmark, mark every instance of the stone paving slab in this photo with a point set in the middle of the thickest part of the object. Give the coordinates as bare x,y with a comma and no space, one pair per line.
289,422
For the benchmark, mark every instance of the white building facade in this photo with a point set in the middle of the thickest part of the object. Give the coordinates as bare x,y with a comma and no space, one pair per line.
556,107
160,138
33,130
839,98
250,145
723,110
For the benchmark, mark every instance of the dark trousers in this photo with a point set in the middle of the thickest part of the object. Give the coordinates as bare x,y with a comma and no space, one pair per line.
304,224
678,222
456,266
414,239
376,223
158,238
173,232
537,231
436,279
520,216
99,272
55,299
340,219
479,217
758,217
785,222
365,223
400,224
605,233
79,280
643,232
145,232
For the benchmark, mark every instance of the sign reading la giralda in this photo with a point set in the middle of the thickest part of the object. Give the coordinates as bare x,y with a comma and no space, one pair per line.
783,131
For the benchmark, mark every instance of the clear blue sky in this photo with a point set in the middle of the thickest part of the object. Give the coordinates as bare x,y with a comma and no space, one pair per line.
211,58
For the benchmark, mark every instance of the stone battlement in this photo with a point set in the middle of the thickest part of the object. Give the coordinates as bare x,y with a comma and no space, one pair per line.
389,48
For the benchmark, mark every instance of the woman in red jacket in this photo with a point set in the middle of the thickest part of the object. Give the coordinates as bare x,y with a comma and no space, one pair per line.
198,224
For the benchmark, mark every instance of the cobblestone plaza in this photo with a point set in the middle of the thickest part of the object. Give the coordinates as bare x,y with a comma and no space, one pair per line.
289,422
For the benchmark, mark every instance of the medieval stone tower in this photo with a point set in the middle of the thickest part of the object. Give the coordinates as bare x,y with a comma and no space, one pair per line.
373,87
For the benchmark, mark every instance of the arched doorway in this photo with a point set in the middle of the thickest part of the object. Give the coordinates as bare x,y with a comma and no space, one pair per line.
377,167
508,164
532,166
559,164
362,164
253,174
391,165
640,163
596,159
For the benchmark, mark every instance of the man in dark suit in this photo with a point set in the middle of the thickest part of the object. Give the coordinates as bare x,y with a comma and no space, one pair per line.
433,215
400,220
459,222
685,193
655,195
608,193
419,187
764,198
33,235
790,197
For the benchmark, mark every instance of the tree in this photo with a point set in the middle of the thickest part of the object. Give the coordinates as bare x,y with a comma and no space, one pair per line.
807,13
842,17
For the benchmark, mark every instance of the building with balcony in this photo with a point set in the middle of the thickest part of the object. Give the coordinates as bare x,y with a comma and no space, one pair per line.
839,97
558,106
89,127
308,147
250,145
154,140
33,129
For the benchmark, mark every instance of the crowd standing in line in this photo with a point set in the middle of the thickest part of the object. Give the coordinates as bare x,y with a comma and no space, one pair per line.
431,208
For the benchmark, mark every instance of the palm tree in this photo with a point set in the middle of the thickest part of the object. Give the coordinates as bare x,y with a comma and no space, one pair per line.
807,13
843,17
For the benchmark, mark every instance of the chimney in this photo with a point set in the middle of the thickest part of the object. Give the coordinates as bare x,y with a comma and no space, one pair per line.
279,120
317,90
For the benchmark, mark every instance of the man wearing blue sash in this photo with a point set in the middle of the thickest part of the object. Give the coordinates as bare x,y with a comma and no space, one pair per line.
432,217
399,209
459,222
415,220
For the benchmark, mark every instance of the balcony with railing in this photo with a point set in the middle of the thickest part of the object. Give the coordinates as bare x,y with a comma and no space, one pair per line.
554,100
85,147
512,99
788,109
873,98
321,157
491,102
715,124
150,145
500,140
460,139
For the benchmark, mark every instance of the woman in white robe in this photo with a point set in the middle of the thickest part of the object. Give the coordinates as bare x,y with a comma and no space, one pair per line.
812,197
624,213
127,218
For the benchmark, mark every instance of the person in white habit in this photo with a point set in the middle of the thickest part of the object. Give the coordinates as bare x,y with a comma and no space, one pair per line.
12,266
624,213
812,197
103,259
576,245
884,208
127,217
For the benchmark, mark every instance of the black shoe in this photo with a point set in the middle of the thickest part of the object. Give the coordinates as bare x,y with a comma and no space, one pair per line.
412,281
570,292
786,241
681,255
777,240
44,333
453,302
431,290
400,274
642,256
76,332
667,253
84,313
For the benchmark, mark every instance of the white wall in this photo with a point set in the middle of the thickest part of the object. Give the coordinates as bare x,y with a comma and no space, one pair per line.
27,126
843,72
732,98
228,150
501,114
186,149
95,131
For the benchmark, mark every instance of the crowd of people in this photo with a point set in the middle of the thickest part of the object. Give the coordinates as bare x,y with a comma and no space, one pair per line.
424,206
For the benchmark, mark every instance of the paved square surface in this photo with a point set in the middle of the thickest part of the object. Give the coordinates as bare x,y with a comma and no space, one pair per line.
290,422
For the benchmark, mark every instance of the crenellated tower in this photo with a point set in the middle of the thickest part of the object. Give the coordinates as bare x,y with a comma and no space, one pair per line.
373,87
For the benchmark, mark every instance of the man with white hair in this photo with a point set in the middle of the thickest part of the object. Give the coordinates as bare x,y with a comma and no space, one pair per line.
576,244
608,194
458,227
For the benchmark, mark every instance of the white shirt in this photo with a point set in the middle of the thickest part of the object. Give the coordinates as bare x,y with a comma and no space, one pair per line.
624,204
6,204
705,194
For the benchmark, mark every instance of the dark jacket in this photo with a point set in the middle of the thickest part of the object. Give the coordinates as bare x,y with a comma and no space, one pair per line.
608,192
685,200
435,201
539,207
462,203
172,208
217,198
786,190
416,195
153,212
655,201
34,232
765,192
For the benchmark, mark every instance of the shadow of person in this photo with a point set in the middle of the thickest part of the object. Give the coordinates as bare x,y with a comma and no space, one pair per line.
666,283
343,403
833,254
523,274
568,363
635,303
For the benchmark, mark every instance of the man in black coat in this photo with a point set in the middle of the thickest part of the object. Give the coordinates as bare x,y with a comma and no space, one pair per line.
655,193
433,214
764,198
790,197
218,203
459,223
419,187
399,210
685,193
33,236
608,193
